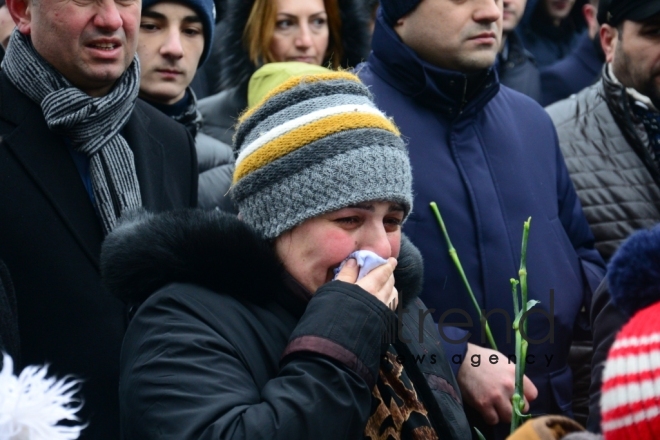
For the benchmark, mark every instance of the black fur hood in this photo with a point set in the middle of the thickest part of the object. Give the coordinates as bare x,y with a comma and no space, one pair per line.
212,249
234,62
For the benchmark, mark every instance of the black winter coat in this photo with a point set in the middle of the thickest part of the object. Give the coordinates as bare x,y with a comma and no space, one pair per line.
229,346
50,240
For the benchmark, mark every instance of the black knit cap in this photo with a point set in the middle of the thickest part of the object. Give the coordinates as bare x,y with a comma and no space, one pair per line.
613,12
395,9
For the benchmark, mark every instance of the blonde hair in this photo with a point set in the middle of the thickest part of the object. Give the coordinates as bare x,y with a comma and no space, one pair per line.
260,26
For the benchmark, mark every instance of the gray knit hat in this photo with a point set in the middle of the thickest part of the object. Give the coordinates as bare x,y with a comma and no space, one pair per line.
315,144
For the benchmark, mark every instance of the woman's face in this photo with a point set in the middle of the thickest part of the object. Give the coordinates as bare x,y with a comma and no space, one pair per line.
301,31
312,250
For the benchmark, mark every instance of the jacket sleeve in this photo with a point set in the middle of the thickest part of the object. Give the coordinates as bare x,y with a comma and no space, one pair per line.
181,378
578,230
607,320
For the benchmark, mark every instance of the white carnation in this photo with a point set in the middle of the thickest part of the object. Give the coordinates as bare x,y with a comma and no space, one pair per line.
32,405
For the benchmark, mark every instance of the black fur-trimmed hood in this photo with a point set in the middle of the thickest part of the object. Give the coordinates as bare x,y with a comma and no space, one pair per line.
211,249
234,62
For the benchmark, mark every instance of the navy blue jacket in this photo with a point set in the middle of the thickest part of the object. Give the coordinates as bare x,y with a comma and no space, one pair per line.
490,163
578,70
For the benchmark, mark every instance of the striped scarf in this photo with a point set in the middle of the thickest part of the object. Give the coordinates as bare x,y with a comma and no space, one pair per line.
91,124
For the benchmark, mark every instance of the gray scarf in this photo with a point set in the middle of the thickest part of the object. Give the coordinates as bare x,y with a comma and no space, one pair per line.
91,124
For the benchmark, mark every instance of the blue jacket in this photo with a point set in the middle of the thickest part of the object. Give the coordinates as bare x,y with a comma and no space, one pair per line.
490,162
578,70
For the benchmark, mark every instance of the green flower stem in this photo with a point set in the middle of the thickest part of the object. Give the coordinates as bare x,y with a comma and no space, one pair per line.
457,263
522,273
518,399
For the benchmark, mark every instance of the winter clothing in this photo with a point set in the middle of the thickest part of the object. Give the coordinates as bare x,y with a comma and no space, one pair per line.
489,157
580,69
91,125
614,12
271,75
216,352
215,159
234,68
315,144
517,69
547,42
629,401
611,163
395,9
50,240
9,340
205,10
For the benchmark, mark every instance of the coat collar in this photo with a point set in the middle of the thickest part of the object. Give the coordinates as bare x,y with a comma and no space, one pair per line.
48,162
445,91
216,251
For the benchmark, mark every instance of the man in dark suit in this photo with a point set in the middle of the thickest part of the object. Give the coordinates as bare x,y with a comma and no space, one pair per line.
78,150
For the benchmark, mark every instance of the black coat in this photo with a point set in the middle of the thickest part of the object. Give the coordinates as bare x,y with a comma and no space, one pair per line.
50,239
229,346
9,339
517,70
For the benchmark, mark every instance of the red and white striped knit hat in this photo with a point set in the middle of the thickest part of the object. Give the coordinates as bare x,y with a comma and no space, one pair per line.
630,399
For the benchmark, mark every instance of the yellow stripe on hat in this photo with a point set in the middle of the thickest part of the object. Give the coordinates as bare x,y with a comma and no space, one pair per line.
307,134
293,82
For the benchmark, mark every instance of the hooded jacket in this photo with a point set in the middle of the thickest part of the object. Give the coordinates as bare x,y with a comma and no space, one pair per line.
490,160
225,344
234,67
215,159
610,160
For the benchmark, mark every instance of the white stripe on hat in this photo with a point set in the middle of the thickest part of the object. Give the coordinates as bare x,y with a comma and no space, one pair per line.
633,341
303,120
629,394
630,419
625,365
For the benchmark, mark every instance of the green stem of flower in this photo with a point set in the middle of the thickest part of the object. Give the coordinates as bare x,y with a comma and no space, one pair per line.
457,263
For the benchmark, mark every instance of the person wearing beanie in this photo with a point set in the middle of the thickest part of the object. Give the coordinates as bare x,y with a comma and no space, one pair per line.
239,330
174,41
629,403
488,157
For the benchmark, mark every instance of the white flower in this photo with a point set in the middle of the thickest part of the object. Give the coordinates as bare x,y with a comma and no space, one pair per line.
32,405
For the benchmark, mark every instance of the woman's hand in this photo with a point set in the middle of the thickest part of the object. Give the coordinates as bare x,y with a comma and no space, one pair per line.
379,282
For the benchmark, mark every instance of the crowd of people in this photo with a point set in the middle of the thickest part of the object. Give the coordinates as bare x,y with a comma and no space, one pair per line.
215,215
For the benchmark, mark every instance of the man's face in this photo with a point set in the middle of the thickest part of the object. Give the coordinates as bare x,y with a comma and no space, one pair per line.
636,57
90,42
512,14
170,47
456,35
558,10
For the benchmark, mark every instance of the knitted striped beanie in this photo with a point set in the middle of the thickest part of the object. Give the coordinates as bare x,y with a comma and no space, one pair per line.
630,399
314,144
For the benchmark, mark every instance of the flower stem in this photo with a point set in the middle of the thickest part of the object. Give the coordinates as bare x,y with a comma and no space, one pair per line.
454,256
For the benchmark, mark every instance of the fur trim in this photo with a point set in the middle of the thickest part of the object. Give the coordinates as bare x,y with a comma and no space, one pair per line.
236,67
32,405
634,271
211,249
